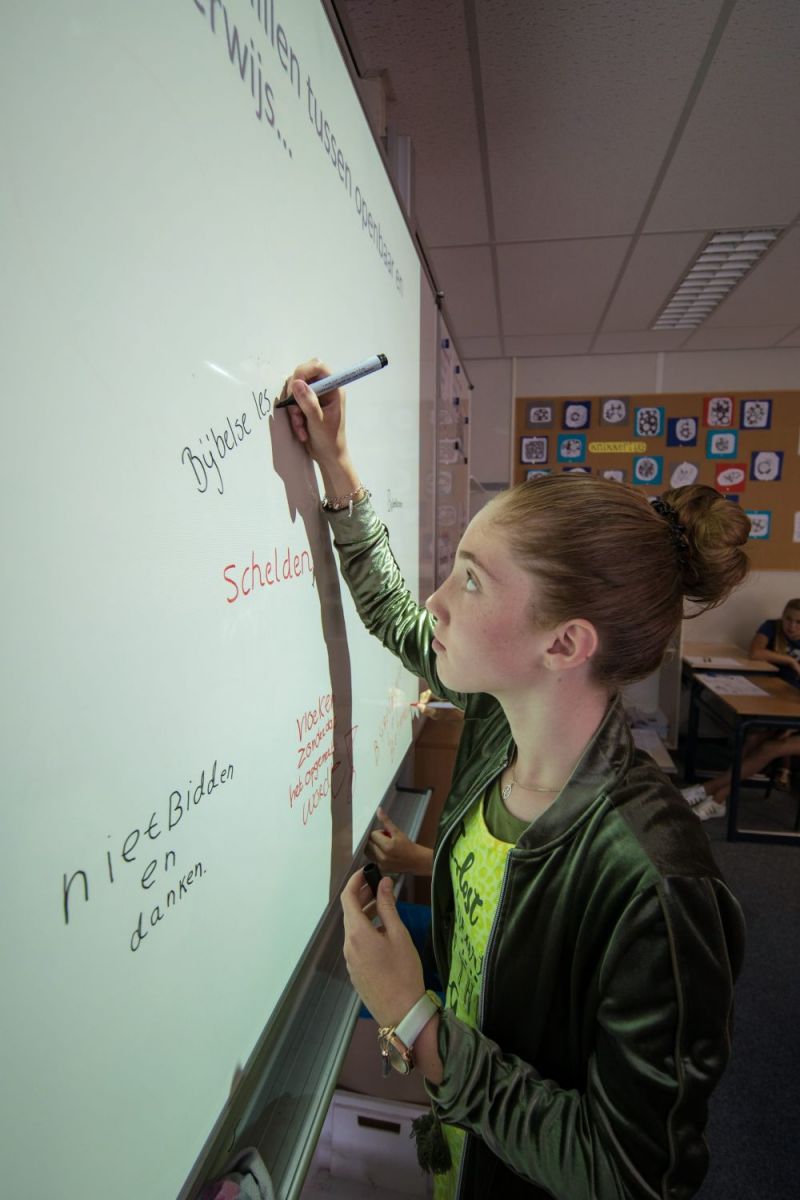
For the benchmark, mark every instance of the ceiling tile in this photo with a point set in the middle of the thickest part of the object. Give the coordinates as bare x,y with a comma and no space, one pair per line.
654,268
465,277
557,287
580,103
737,339
581,100
639,341
737,162
424,49
529,345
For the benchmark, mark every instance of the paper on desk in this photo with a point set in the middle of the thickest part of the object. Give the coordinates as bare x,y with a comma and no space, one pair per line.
714,664
731,685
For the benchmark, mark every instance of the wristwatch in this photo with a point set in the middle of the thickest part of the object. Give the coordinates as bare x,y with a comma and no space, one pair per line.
397,1041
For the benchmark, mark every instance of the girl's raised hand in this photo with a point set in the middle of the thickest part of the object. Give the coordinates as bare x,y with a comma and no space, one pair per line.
317,422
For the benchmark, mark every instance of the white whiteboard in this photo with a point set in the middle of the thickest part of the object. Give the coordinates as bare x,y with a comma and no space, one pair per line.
176,238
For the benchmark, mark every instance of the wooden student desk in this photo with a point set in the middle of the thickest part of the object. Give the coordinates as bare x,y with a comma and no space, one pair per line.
693,655
779,709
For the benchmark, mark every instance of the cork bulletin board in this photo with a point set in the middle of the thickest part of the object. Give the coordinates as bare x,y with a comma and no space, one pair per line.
744,444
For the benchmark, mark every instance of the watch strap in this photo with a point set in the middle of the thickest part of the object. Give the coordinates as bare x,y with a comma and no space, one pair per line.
417,1018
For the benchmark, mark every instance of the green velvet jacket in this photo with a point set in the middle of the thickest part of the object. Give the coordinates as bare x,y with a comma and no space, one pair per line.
605,1014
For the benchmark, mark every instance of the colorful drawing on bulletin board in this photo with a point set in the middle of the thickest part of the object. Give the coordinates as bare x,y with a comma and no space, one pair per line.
649,422
681,474
718,412
755,414
540,415
648,468
536,472
577,470
682,431
533,449
730,477
766,465
614,410
577,414
733,497
571,447
722,445
615,474
760,522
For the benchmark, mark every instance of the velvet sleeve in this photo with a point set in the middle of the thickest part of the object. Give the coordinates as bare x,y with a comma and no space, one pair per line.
382,599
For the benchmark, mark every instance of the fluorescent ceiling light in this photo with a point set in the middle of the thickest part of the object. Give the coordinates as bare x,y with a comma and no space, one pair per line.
719,267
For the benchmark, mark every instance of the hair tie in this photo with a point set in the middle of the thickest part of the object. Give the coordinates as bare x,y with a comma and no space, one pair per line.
677,530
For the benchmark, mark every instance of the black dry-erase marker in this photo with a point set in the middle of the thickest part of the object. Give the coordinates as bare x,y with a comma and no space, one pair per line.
340,379
372,874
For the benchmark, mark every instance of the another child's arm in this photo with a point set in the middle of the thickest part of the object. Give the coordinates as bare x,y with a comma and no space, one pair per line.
395,853
759,650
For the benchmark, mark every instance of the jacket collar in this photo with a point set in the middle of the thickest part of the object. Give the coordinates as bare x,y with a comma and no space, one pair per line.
606,758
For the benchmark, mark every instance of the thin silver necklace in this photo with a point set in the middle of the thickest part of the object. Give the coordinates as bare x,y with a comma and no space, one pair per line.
506,791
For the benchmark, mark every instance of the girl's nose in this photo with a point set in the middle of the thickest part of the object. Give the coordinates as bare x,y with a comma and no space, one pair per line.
432,604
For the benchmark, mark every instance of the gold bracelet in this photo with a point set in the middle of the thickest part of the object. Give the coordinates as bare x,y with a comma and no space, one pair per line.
339,503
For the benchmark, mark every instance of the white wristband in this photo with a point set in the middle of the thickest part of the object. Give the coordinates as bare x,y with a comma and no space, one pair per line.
417,1018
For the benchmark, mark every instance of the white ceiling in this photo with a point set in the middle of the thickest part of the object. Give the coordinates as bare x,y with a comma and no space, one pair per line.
572,156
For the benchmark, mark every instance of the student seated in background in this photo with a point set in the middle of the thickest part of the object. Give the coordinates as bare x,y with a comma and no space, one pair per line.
777,642
585,939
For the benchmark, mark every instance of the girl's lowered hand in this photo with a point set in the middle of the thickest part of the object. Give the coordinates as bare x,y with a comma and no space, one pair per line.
383,963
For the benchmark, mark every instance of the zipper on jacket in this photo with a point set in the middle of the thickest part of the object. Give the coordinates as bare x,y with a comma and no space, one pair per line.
461,1165
491,939
446,834
459,814
481,999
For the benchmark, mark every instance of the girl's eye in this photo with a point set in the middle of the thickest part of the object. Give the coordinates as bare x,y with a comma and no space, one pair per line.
471,583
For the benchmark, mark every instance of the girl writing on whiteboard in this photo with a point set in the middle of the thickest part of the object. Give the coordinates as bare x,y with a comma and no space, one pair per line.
586,941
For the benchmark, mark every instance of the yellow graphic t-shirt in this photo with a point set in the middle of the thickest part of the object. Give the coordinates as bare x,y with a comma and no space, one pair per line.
477,862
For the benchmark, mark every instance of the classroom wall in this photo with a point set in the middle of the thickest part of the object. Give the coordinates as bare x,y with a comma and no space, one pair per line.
763,594
675,372
496,382
490,418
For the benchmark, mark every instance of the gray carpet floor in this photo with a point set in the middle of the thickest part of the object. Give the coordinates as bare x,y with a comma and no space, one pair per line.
754,1126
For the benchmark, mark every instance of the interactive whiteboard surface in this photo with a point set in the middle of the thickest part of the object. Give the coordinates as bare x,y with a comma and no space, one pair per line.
196,729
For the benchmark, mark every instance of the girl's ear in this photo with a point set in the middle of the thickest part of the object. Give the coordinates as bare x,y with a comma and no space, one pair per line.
572,645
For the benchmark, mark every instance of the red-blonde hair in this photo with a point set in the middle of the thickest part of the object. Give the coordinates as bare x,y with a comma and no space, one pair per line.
598,550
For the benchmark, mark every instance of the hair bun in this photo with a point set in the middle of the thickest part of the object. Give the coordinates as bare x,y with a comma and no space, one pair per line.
716,532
